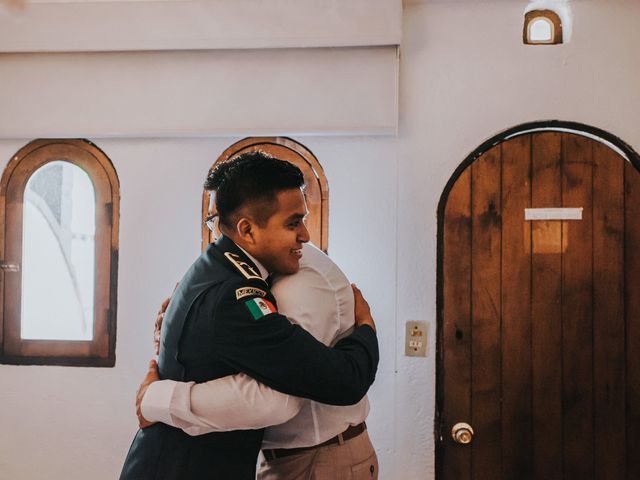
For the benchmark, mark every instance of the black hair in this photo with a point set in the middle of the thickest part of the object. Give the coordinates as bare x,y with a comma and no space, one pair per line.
251,179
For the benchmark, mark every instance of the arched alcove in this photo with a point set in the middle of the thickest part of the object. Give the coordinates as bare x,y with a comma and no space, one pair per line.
542,27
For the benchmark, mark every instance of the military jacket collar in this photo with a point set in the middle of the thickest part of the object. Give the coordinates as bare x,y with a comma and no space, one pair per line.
264,273
239,260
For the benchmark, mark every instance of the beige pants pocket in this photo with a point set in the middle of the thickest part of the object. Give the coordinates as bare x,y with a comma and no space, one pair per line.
366,470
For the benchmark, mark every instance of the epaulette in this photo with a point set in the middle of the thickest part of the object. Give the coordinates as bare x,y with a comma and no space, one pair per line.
247,271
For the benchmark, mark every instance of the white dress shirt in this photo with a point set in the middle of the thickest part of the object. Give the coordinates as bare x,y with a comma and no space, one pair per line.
318,298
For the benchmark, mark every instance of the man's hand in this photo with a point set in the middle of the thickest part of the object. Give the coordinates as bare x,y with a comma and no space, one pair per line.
152,376
158,325
362,310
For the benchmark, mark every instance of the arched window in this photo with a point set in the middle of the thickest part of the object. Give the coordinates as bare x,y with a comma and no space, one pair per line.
542,27
59,202
316,190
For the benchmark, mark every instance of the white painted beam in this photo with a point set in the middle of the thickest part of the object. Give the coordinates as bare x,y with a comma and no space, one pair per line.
83,26
199,93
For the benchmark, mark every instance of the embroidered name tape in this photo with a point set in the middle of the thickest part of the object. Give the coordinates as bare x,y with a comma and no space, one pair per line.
259,307
249,292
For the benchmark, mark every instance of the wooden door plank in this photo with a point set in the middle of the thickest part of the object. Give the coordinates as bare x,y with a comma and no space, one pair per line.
577,310
456,340
608,313
546,312
485,280
516,310
632,318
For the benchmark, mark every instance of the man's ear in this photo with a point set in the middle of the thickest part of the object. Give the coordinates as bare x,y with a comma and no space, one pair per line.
244,229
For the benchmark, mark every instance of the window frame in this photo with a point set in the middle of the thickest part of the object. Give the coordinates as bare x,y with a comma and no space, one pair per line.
100,351
550,16
316,192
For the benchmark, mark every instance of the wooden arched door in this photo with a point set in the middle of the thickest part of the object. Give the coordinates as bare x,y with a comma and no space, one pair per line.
316,187
539,328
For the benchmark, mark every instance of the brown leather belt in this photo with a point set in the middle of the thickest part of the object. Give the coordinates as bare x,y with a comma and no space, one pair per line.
351,432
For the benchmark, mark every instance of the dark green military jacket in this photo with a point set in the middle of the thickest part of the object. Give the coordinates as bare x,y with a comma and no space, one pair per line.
222,320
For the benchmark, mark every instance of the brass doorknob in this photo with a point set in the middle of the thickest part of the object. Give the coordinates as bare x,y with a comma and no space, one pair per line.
462,433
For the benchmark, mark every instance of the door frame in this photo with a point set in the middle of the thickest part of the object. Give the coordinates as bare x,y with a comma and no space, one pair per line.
602,136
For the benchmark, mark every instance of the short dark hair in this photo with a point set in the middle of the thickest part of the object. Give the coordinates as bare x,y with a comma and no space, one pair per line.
251,179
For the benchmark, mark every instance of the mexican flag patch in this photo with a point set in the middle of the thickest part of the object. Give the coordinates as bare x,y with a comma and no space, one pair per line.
259,307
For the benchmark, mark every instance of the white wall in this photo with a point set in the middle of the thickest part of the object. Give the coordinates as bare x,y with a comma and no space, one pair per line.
464,77
77,423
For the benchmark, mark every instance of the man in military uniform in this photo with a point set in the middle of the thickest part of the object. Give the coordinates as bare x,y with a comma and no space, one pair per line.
303,439
223,320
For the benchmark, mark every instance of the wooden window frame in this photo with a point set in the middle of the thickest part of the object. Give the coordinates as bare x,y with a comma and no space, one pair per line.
99,352
316,191
550,16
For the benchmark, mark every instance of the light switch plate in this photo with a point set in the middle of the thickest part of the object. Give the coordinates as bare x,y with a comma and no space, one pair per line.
416,339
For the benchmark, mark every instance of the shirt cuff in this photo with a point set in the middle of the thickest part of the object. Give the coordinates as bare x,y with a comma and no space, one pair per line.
156,403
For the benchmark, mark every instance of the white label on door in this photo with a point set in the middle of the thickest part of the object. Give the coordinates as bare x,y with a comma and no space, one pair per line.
553,213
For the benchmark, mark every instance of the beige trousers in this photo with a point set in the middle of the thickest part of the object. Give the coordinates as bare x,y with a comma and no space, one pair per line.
355,459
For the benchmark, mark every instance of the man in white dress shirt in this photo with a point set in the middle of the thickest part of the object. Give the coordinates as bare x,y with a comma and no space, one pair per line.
304,439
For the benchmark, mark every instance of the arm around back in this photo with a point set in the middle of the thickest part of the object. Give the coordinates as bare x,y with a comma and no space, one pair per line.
235,402
266,346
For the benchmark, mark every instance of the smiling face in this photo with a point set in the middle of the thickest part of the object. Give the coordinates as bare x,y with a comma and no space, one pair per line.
277,243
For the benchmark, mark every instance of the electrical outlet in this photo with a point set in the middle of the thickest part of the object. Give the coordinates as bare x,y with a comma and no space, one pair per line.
416,339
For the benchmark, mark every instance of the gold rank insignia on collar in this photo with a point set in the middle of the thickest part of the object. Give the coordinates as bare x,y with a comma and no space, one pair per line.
248,271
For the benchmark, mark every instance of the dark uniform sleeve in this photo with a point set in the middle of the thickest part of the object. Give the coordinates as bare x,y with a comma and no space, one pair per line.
285,357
